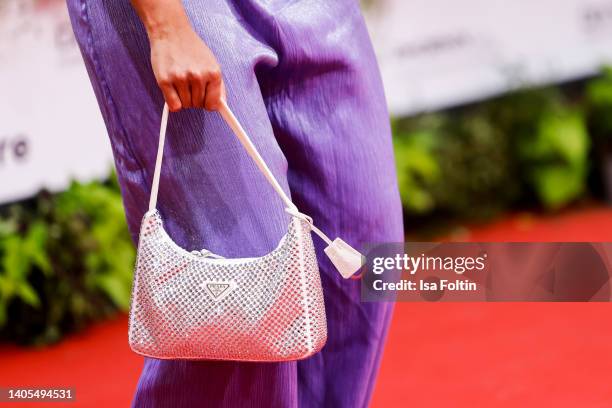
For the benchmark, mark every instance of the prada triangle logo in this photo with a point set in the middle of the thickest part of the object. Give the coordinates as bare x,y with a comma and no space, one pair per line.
218,290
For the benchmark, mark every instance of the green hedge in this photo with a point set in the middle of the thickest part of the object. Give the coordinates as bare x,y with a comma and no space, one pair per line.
528,148
65,260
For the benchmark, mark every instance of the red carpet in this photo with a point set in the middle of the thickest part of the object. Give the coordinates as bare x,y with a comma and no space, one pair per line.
504,354
438,355
97,363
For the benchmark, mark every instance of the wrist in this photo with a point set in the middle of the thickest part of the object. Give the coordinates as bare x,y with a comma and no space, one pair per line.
167,28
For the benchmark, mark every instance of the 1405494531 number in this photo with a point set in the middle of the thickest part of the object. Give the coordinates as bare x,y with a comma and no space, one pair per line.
36,394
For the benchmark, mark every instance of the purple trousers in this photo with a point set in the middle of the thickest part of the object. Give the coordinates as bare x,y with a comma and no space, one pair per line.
302,78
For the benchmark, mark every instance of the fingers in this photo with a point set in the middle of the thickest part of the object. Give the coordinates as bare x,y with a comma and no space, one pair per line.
215,91
183,87
170,95
198,90
203,90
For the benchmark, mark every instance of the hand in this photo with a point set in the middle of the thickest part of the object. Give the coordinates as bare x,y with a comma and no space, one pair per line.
186,70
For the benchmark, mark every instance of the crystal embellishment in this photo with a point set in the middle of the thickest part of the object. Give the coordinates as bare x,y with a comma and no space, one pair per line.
187,306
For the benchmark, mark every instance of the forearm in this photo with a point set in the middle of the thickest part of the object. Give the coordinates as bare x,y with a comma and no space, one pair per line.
186,70
162,18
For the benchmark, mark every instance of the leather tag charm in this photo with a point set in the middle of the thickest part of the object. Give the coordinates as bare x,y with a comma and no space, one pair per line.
344,257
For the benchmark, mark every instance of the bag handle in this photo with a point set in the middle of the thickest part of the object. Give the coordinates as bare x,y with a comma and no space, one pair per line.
244,139
346,259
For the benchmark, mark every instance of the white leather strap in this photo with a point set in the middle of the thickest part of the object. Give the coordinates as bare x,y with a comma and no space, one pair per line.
242,136
345,258
246,142
244,139
160,158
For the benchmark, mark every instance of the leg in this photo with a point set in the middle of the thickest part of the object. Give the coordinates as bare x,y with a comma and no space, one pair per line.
211,194
329,115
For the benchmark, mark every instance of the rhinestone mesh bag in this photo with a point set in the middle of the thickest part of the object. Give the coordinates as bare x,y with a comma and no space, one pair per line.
199,305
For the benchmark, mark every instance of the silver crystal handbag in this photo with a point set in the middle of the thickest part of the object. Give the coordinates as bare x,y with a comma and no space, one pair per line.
199,305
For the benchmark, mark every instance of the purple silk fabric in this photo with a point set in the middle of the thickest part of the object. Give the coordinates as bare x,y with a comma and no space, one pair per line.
302,78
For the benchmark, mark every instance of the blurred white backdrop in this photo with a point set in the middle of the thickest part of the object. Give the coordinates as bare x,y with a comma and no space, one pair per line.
438,53
51,130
